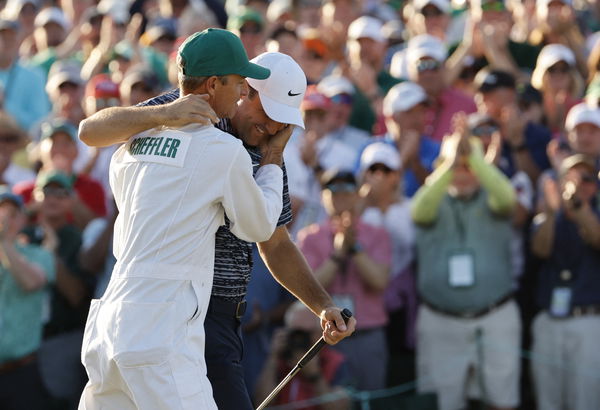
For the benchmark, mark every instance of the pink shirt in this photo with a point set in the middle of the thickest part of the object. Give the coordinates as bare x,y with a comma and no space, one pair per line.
439,114
316,242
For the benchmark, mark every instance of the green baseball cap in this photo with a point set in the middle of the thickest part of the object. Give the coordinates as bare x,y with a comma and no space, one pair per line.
54,177
218,52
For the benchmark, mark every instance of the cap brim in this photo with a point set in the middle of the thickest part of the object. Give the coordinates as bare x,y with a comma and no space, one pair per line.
280,112
255,71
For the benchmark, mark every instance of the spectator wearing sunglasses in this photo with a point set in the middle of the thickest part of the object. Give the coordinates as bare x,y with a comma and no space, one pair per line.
566,236
386,206
351,259
57,152
430,17
425,57
12,138
556,77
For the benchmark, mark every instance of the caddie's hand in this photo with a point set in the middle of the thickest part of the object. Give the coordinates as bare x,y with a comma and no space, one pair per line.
333,325
189,109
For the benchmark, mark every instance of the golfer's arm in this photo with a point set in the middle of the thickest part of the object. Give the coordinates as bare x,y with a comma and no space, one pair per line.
115,125
289,267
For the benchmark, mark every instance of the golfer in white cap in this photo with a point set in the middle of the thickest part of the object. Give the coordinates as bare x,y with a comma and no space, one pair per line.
270,106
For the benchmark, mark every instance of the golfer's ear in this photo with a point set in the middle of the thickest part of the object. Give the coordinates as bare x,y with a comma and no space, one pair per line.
211,85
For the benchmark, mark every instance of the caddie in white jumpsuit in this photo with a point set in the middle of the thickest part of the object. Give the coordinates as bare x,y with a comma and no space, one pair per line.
143,346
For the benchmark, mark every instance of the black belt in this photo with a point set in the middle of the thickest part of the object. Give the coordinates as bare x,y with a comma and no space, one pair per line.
226,308
471,315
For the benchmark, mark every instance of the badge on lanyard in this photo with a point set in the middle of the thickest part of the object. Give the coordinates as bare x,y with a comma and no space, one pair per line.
461,269
561,301
344,301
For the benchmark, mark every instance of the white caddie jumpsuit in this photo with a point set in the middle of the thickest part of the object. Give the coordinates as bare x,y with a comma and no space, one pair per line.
143,346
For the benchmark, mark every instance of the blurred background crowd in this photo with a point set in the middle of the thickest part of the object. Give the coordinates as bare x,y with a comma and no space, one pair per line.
445,189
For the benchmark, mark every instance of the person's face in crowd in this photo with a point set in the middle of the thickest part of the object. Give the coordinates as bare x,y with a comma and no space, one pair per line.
368,51
285,43
227,94
341,108
118,67
464,182
252,123
411,119
382,180
313,64
66,100
309,13
90,30
164,44
493,102
585,139
317,121
340,197
485,132
27,17
342,12
252,37
92,104
58,152
431,20
9,144
558,77
55,201
51,35
13,216
429,74
556,9
137,93
9,45
584,179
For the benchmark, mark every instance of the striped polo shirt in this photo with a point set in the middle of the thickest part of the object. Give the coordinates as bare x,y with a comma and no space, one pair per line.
233,256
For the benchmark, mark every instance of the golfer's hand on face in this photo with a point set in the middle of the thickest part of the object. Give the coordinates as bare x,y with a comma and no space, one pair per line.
189,109
333,325
272,150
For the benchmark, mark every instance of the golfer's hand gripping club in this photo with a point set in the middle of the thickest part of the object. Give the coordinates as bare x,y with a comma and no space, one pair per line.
346,315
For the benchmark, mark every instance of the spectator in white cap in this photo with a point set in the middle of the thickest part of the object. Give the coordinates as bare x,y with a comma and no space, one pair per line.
22,92
557,23
342,93
270,105
429,17
425,58
23,11
51,29
556,77
386,206
404,107
583,128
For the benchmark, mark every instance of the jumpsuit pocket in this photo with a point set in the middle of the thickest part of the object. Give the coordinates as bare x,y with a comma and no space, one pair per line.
143,333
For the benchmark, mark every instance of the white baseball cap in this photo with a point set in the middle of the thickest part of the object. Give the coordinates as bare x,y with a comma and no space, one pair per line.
52,15
380,153
366,27
403,97
283,91
334,85
443,5
61,72
582,113
550,55
425,45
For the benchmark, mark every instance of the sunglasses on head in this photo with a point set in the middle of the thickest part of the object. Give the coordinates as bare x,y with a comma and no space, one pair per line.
425,65
380,168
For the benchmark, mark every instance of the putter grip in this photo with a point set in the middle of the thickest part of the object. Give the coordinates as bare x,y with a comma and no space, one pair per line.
346,315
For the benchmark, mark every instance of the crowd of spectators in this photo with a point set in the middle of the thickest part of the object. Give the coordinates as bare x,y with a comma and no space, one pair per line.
445,189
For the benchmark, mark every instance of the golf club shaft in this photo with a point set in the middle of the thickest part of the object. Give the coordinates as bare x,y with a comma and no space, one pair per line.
346,315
